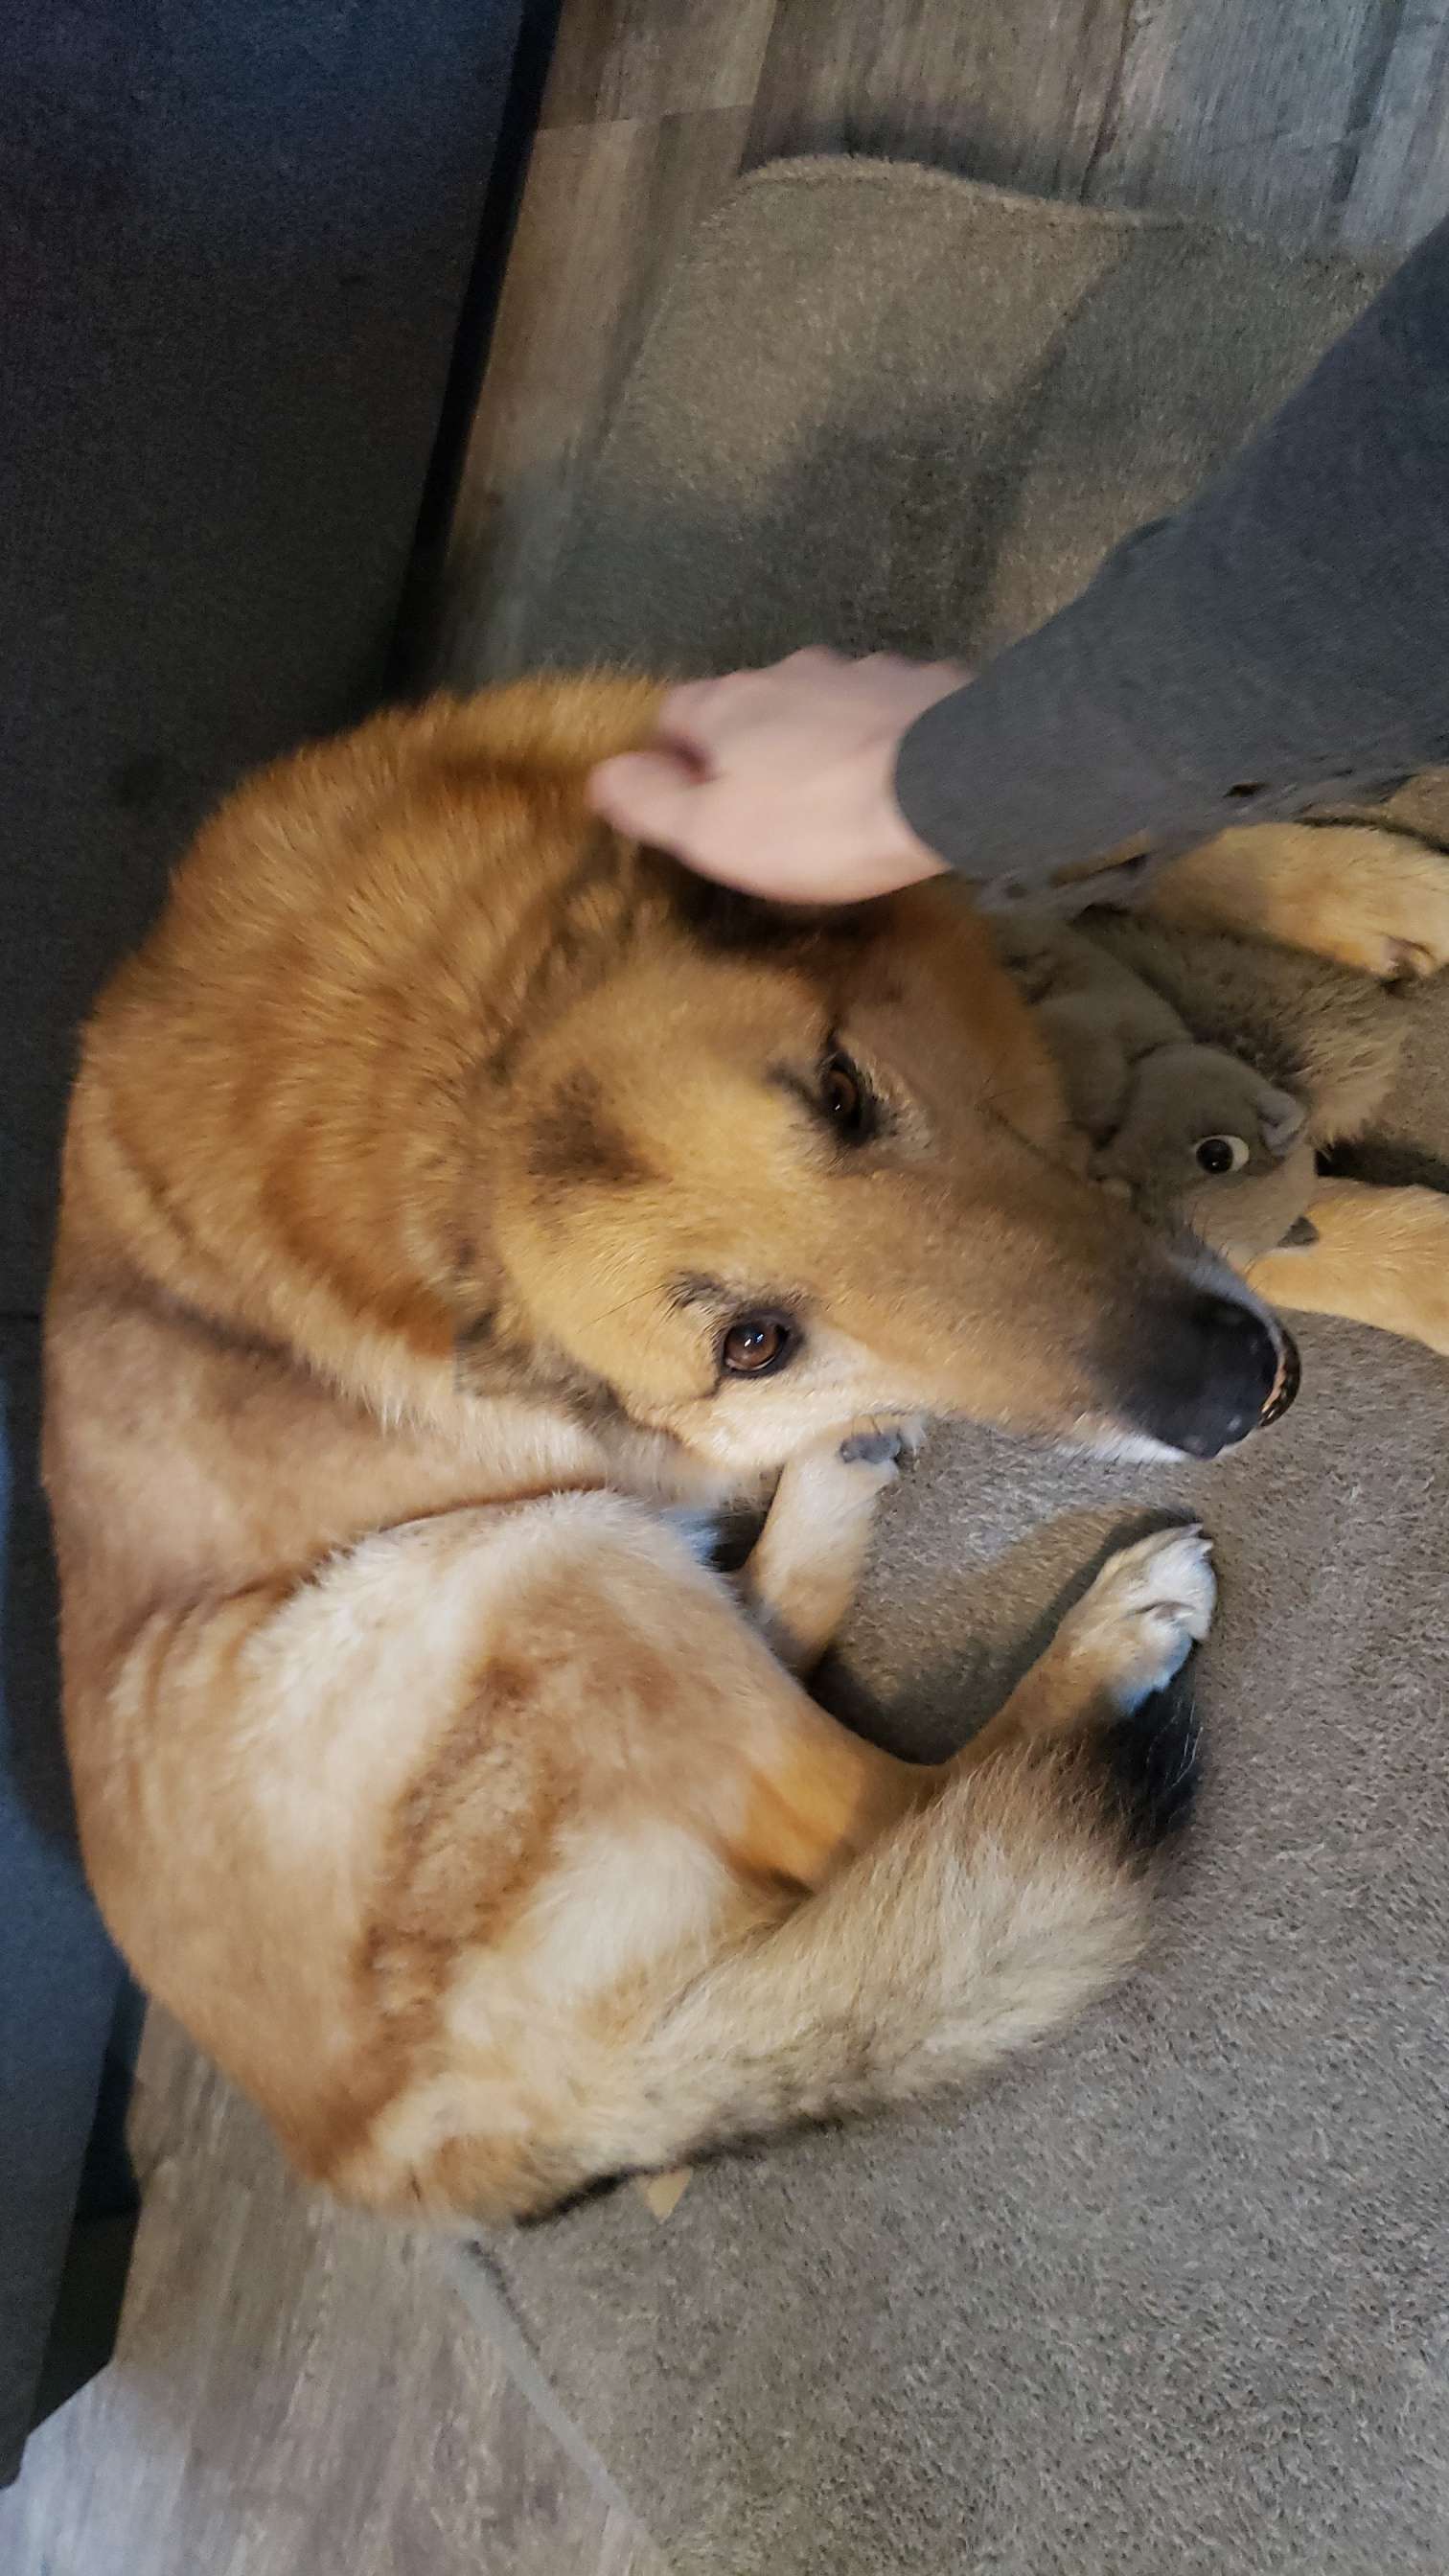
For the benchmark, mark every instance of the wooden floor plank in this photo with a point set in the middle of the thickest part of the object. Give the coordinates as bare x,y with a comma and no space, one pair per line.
296,2389
1244,114
1014,95
604,210
649,58
1400,184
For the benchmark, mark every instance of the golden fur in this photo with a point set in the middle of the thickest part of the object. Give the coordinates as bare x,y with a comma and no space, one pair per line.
416,1169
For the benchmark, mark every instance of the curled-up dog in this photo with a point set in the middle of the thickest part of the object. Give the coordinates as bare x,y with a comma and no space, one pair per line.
454,1193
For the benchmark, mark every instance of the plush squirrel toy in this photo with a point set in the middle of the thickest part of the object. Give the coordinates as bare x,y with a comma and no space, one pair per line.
1204,1071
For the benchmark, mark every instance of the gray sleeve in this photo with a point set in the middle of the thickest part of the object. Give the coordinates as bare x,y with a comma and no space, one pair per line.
1282,641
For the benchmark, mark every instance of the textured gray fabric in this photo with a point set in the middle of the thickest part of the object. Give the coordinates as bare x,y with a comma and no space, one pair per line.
1174,2295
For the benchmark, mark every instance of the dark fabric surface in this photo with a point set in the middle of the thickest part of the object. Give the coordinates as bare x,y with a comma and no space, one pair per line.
234,237
1277,643
58,1975
233,242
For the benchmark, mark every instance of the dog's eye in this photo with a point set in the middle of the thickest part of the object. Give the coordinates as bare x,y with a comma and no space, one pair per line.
844,1095
756,1344
1217,1154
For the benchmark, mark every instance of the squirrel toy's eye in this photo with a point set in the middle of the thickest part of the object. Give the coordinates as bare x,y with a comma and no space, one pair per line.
1219,1154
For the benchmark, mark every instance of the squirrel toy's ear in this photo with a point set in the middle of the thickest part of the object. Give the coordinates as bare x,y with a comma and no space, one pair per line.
1282,1119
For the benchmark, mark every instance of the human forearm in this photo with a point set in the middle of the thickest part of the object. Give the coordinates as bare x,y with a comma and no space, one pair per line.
1281,641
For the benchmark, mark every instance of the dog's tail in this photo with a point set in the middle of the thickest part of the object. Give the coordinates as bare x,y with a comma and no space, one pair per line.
966,1933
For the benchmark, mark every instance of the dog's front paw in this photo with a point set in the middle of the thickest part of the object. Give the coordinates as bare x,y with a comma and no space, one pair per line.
1150,1605
888,1445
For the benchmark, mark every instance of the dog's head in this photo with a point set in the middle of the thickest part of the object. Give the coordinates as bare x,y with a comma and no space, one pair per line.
765,1177
424,1068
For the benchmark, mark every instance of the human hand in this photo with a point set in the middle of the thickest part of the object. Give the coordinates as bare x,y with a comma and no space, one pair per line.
781,781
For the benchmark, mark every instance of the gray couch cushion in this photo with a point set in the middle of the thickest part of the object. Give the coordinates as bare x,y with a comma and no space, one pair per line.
1175,2295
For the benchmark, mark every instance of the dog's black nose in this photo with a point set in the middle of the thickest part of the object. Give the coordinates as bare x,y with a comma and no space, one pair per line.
1209,1371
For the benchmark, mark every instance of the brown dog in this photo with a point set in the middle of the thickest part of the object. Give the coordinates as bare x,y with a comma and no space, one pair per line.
450,1187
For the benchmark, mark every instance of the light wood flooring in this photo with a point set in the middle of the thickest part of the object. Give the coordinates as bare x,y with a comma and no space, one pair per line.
297,2391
